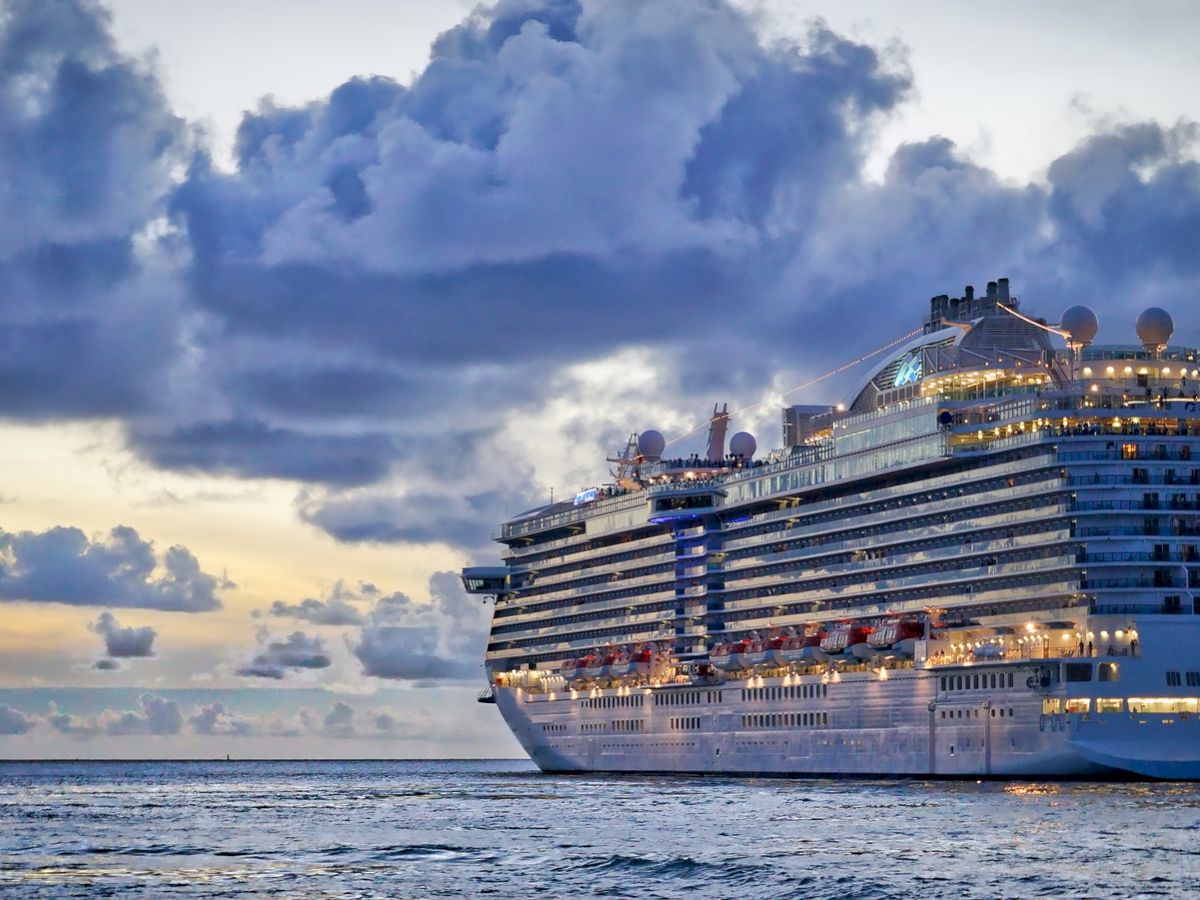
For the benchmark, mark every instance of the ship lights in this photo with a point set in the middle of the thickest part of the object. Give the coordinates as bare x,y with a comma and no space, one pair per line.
1110,371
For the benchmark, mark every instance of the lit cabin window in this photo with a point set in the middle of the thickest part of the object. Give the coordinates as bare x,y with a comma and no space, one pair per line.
1108,705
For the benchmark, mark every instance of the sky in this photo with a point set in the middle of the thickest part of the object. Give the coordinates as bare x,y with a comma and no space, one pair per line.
295,309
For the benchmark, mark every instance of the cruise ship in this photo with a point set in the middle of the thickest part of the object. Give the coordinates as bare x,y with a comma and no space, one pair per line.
981,564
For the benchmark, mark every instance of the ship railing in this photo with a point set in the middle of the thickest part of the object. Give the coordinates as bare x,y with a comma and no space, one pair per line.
570,606
858,518
583,565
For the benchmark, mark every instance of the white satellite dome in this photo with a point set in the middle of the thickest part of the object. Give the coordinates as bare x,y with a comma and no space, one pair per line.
1154,328
651,444
743,444
1081,323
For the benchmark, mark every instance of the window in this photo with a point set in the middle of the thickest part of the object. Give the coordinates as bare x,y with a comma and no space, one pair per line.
1108,672
1193,679
1173,679
1078,705
1108,705
1077,671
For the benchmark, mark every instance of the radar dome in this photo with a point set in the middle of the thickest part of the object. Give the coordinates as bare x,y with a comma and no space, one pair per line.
651,444
743,445
1081,323
1154,328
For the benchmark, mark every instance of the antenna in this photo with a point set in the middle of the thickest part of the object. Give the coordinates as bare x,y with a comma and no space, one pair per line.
625,471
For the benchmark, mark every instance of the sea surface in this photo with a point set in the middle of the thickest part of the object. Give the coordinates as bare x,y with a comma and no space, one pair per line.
499,828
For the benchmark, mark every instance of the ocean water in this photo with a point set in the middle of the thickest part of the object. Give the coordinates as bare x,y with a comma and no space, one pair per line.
454,829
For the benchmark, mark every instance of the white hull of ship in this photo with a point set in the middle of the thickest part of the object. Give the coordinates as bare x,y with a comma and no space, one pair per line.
861,725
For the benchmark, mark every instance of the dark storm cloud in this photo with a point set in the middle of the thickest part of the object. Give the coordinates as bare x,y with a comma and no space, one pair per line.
85,159
277,657
1127,203
380,517
253,449
123,642
63,566
393,270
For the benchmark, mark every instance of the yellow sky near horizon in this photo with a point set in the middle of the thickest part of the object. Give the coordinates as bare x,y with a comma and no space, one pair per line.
81,475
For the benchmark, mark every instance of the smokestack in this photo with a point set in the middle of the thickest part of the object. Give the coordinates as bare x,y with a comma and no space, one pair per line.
1003,285
969,292
991,291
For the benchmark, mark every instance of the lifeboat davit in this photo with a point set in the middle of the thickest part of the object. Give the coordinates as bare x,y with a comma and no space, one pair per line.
606,663
590,666
851,639
755,655
621,666
729,656
569,669
897,637
810,646
856,643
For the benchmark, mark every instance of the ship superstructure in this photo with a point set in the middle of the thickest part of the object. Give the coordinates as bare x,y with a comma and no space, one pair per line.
982,563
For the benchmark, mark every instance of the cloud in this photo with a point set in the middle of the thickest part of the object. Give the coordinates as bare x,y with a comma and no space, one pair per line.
13,721
62,565
88,320
295,652
339,721
441,640
157,716
253,449
337,609
215,719
106,665
385,298
123,642
380,517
